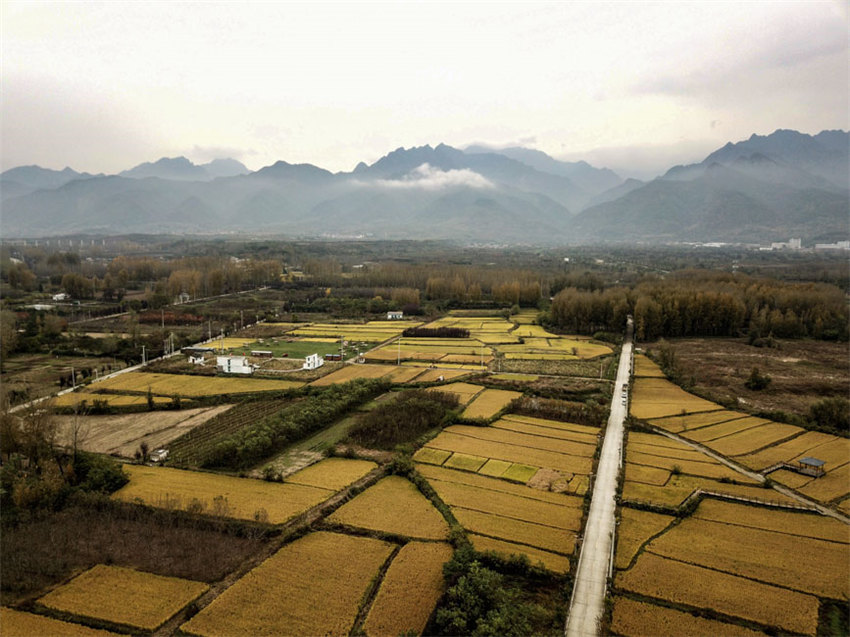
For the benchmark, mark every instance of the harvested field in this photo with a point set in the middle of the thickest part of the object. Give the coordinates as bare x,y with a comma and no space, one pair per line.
638,619
541,536
635,529
393,505
753,439
336,569
802,370
409,591
550,561
438,375
790,522
17,623
804,564
489,403
124,596
699,587
242,498
190,386
121,434
334,474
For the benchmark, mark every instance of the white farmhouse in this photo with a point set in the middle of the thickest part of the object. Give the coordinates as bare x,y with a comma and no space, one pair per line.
234,365
395,316
313,361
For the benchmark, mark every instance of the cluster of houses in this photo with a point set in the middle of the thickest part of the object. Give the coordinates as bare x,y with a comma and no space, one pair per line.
229,364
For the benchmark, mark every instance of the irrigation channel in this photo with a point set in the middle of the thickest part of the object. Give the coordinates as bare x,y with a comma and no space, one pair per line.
597,548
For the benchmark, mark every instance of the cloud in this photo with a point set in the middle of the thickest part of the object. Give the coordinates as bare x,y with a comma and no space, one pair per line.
427,177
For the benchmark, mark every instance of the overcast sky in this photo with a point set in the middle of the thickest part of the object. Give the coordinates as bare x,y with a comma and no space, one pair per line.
635,86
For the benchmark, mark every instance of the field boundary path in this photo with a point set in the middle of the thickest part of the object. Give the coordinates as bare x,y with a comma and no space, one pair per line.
597,547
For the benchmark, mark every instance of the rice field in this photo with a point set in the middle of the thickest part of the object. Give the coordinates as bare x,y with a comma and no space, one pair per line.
790,522
464,462
439,375
646,367
393,505
214,494
805,564
680,423
634,530
751,440
485,444
720,430
371,332
312,586
541,536
191,386
334,474
678,488
632,618
123,596
657,397
433,456
489,403
699,587
16,623
409,591
75,399
395,373
465,392
646,475
834,485
550,561
548,429
786,451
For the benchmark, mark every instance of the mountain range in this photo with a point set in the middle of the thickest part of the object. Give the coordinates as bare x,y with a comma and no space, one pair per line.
765,188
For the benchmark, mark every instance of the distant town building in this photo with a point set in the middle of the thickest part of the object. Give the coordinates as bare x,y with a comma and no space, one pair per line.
838,245
395,316
234,365
62,296
313,361
183,297
791,244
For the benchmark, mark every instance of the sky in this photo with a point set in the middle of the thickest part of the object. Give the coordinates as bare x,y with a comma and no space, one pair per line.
634,86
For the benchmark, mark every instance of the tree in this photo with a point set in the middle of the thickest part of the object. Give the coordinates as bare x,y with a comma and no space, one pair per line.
757,381
832,414
8,334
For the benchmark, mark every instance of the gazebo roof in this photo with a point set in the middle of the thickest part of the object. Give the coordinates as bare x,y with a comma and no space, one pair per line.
812,462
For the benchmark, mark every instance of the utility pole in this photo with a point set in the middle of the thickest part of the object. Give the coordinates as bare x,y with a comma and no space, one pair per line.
73,378
210,332
398,361
241,320
143,354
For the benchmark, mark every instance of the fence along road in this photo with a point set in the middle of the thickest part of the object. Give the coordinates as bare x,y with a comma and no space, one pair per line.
597,549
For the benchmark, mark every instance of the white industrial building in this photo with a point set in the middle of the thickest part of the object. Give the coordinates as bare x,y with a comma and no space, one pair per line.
234,365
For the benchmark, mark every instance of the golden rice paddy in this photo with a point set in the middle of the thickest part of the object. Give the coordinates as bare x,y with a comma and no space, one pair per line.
550,561
645,366
393,505
409,591
312,586
191,386
124,596
695,586
332,473
214,494
540,536
634,530
465,392
489,403
74,399
17,623
657,397
638,619
753,439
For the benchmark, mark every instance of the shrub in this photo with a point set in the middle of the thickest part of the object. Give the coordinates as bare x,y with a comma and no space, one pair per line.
757,381
95,472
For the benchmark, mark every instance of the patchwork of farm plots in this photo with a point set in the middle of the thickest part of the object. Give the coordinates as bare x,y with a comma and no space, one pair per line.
83,399
241,498
190,386
751,564
123,596
398,374
371,332
280,595
488,336
16,622
759,444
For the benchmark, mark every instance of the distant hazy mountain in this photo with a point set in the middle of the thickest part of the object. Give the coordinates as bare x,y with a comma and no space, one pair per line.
762,189
591,180
181,169
25,179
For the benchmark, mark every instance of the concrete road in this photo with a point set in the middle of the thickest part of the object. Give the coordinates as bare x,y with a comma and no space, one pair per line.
597,549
